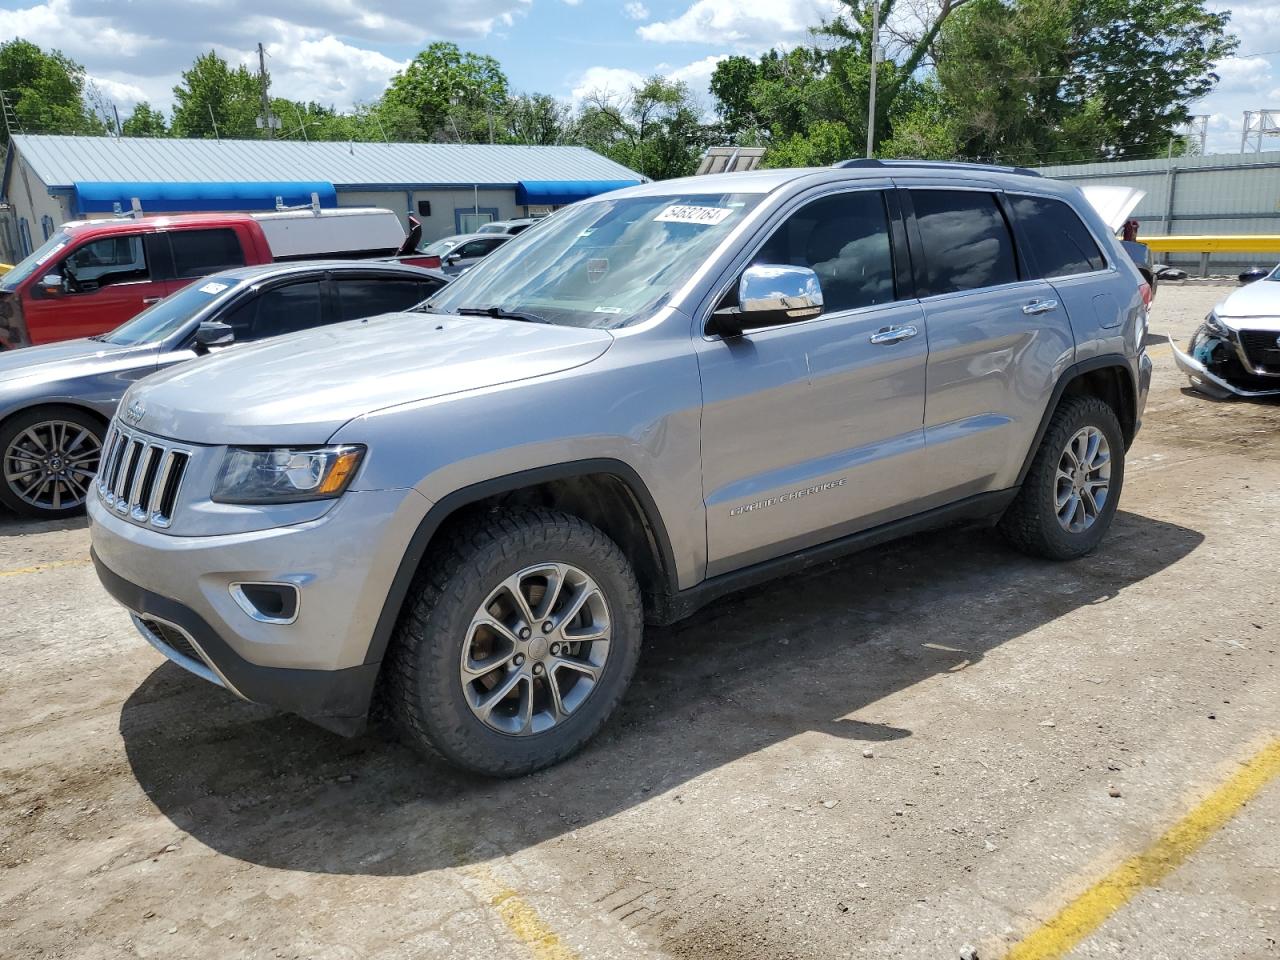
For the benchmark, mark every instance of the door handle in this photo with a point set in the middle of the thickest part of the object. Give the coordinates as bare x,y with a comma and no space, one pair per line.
894,334
1040,306
152,299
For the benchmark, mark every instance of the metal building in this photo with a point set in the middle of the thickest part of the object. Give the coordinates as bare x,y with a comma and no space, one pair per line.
451,188
1216,194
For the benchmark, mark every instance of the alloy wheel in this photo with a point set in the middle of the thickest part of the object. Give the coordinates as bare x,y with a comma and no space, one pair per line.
1083,480
51,465
535,649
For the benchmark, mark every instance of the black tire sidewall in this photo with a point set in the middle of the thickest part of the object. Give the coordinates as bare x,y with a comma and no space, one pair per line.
453,728
1089,413
25,420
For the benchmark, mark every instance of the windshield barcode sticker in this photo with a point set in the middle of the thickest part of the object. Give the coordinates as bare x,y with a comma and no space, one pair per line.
705,216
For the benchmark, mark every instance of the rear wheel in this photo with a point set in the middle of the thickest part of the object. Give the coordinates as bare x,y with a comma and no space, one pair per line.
519,641
48,459
1069,497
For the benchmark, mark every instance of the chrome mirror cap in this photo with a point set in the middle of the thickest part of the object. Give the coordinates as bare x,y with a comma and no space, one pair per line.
783,291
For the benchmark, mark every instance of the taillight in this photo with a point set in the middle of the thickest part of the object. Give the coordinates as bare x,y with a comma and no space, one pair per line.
1147,295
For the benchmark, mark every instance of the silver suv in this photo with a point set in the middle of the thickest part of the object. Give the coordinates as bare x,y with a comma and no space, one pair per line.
659,396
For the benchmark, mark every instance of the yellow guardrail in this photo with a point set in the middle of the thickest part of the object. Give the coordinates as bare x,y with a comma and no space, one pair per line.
1252,243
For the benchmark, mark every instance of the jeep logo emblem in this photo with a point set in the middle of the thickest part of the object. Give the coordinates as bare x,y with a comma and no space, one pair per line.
135,413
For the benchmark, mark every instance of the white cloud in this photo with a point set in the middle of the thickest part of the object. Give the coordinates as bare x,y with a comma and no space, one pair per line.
607,81
697,74
327,70
1242,74
636,11
751,27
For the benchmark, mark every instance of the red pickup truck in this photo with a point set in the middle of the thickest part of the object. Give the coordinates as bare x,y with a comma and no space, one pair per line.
91,276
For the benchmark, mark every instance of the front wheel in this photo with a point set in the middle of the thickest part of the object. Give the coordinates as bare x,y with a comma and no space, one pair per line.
518,642
48,459
1069,496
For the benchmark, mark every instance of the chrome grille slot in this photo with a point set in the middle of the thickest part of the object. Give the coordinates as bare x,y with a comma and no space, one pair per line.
141,476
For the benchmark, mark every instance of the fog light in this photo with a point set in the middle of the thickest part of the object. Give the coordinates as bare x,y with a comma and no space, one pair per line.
267,602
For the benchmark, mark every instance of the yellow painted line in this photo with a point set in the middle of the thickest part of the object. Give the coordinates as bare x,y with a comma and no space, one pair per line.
1089,911
521,919
1237,243
41,567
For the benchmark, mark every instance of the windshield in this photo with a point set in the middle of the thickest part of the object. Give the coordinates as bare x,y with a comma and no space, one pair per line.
39,257
600,263
439,248
166,317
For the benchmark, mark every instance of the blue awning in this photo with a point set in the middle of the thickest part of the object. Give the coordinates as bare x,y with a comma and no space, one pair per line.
560,192
192,196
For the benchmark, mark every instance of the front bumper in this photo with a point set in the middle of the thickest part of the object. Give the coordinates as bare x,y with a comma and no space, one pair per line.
180,591
1211,383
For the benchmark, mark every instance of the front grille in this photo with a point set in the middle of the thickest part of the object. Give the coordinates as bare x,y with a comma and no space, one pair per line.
175,640
140,476
1261,348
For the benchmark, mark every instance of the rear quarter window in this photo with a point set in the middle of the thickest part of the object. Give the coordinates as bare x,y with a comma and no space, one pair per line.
198,253
1061,245
967,244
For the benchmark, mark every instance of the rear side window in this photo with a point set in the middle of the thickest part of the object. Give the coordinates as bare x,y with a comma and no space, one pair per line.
967,244
198,253
844,239
1060,243
369,296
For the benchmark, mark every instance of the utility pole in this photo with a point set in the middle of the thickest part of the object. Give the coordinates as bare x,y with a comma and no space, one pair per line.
266,101
875,62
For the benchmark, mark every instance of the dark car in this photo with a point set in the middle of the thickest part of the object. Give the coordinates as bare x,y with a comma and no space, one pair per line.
464,251
55,400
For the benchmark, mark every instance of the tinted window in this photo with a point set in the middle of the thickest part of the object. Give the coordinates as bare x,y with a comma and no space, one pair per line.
198,253
369,296
966,241
844,239
476,248
110,260
286,309
1060,243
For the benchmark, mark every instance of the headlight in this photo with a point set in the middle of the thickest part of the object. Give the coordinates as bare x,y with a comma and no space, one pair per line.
286,474
1215,326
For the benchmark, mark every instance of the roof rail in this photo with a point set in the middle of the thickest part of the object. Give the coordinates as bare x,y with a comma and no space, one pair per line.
865,162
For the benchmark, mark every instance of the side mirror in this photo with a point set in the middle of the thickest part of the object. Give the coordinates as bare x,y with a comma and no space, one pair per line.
1252,274
53,284
452,257
213,333
770,294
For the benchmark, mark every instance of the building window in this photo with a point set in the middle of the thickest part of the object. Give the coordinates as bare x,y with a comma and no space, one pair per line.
47,226
424,208
471,219
24,236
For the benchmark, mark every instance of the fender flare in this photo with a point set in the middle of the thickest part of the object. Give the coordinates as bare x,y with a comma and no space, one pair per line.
448,505
1100,362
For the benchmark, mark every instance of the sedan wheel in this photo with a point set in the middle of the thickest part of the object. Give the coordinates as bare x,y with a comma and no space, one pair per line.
49,465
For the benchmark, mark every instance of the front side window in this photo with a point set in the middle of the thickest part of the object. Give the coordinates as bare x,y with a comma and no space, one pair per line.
198,253
285,309
601,263
106,261
967,244
1060,243
844,239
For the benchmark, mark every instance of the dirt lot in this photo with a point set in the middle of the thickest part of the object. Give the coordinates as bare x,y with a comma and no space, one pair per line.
899,755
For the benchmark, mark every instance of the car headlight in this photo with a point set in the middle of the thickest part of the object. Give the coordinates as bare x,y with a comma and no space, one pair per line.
286,474
1215,326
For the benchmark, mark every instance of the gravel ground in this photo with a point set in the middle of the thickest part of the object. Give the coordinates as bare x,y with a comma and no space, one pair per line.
897,755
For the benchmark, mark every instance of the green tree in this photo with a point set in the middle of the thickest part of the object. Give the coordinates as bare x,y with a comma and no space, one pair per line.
46,91
656,129
538,119
212,100
450,95
145,121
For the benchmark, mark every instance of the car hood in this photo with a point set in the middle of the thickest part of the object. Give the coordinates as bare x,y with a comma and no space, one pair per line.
299,389
1256,306
71,358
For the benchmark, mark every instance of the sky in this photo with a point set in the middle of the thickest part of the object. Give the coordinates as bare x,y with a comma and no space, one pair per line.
342,52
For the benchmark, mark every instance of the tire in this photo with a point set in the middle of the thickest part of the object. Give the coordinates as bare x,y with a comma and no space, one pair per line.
439,705
1032,522
30,444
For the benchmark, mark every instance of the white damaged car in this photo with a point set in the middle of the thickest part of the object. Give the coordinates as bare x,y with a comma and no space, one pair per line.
1236,351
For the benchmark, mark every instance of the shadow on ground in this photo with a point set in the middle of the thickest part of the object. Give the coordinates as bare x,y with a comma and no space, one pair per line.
750,671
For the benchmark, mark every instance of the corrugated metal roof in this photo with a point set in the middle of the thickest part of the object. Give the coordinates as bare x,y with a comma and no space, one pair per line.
62,161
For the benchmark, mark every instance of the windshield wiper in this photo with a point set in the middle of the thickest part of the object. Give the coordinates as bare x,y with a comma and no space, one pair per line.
499,313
